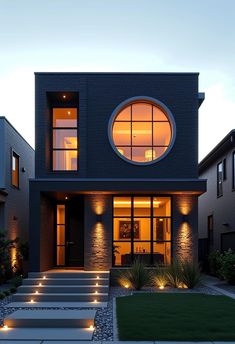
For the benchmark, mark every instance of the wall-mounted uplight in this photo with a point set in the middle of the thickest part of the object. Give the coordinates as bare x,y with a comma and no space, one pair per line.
184,218
99,218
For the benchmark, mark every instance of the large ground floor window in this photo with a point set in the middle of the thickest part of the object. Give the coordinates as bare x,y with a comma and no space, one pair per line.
141,229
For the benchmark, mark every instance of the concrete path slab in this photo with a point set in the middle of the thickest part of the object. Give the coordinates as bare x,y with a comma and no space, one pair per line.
56,334
50,318
56,305
23,342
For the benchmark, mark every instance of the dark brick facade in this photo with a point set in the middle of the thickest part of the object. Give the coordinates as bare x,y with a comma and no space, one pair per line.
102,173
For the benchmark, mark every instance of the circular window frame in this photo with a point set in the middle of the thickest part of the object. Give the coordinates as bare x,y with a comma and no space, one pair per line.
152,101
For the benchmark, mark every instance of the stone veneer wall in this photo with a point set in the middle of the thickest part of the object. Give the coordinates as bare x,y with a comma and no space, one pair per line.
97,232
185,229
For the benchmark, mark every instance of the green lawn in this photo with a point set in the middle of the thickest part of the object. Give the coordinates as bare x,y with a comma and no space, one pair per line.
176,317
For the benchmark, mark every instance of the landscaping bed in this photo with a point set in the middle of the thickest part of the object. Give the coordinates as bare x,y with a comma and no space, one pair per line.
168,316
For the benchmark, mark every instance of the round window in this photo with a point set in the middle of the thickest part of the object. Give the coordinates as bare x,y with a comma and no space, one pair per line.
142,131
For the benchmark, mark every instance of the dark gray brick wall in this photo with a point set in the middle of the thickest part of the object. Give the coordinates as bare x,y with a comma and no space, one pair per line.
185,234
98,236
99,94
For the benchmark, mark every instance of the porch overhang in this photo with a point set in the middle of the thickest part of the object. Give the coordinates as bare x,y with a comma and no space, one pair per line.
120,185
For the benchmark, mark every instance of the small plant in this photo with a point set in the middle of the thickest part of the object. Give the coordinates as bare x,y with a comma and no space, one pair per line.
215,260
159,277
136,277
13,290
16,281
2,296
227,269
6,292
190,274
174,274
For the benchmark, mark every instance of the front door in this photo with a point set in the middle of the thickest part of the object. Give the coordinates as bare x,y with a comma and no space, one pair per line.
69,234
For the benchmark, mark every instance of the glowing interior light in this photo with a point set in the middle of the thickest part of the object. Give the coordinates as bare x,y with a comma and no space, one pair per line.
5,328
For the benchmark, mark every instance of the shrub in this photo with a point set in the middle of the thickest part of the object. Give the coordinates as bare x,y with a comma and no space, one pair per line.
190,274
6,292
2,296
159,277
16,281
215,259
13,290
136,277
174,274
227,269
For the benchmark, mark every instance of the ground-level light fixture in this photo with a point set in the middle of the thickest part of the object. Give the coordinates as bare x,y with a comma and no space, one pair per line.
91,328
31,301
5,328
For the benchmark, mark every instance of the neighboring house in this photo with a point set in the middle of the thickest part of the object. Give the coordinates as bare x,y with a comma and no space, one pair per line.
116,173
16,167
217,205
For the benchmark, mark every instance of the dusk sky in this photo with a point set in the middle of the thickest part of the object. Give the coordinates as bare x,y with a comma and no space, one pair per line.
120,36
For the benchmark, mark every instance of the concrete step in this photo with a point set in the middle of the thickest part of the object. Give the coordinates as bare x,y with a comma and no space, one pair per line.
56,304
81,297
56,334
50,318
66,281
63,289
69,274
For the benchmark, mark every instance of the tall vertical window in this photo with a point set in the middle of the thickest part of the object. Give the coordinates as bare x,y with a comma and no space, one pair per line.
233,170
65,139
15,170
210,232
60,235
141,229
220,179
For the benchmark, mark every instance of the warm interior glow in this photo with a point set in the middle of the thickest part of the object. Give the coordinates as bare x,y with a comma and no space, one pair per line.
15,170
160,224
141,132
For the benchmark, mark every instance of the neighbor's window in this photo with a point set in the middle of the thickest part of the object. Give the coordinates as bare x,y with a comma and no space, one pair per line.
65,139
141,132
220,179
15,170
233,170
141,229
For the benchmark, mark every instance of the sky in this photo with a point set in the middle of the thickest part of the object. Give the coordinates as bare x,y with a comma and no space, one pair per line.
119,36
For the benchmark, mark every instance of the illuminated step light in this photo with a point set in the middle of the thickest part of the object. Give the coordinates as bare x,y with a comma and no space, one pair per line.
95,301
97,284
44,277
91,328
40,284
31,301
5,328
127,286
161,287
96,292
97,277
36,291
64,96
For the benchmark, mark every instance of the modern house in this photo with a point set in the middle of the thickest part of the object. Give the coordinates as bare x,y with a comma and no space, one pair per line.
216,206
116,174
16,167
